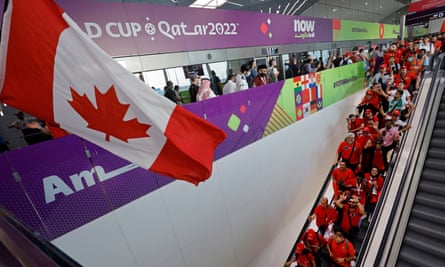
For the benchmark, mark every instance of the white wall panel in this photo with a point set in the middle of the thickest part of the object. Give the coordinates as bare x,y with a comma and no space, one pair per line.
194,209
148,229
99,243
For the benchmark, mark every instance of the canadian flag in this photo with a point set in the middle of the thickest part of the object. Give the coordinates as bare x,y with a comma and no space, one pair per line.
51,69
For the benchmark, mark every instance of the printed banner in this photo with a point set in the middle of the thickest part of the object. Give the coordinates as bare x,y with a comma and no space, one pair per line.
124,29
341,82
348,30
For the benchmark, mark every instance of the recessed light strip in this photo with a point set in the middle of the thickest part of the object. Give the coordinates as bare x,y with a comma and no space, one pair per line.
290,10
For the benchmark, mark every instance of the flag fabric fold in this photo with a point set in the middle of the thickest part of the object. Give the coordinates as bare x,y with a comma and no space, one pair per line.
51,69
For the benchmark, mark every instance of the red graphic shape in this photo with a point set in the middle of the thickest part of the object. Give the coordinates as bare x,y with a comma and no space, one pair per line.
382,31
242,109
263,28
109,115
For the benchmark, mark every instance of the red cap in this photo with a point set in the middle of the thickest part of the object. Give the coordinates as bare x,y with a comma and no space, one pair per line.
404,67
368,111
299,248
366,129
369,92
347,54
383,66
396,112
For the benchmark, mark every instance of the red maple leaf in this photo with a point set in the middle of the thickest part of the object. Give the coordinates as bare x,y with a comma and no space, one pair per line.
108,117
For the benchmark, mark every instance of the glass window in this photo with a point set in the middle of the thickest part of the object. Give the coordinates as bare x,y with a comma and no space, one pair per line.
177,76
155,79
325,56
220,69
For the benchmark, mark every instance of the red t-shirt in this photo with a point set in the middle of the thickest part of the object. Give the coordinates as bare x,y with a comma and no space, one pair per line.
377,160
350,152
343,249
407,79
346,177
361,190
374,193
374,100
354,125
305,260
355,216
325,215
363,139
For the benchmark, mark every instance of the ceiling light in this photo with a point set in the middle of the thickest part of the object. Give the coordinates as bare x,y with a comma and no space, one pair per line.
366,3
334,9
290,9
298,8
285,9
233,3
208,3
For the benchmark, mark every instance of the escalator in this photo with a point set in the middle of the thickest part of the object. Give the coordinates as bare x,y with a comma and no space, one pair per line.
424,240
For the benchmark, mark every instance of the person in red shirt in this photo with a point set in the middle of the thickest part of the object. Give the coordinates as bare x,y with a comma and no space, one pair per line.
341,250
367,141
375,184
350,151
354,123
437,44
262,78
370,101
406,78
343,178
378,159
302,257
315,243
391,52
370,119
360,190
351,211
324,214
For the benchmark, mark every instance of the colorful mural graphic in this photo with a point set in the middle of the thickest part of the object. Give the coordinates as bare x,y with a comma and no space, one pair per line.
308,95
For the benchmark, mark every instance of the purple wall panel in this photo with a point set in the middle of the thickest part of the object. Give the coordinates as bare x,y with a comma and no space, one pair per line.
232,114
13,198
122,181
262,103
59,163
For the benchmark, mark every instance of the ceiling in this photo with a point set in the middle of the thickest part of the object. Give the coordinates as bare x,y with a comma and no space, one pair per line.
384,11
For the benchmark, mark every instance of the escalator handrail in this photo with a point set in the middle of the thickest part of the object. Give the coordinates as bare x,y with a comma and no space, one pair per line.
48,249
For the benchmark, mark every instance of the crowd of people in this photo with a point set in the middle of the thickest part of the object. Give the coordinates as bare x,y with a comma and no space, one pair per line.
401,62
374,130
